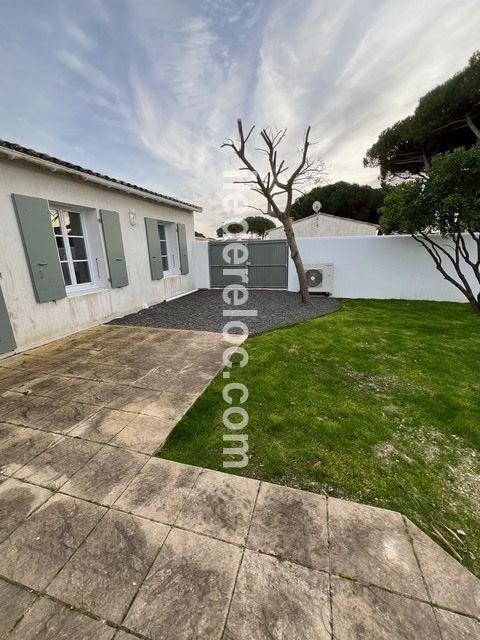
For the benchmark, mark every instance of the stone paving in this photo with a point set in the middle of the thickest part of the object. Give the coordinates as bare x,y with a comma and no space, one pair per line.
99,540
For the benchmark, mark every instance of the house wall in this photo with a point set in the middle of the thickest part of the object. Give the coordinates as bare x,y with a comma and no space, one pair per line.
202,268
35,323
383,267
322,225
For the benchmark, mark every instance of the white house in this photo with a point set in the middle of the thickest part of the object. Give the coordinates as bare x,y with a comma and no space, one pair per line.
326,225
78,248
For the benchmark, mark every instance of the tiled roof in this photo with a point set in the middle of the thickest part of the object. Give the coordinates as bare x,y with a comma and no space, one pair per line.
68,165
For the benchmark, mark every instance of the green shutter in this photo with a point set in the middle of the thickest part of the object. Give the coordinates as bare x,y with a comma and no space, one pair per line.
112,235
7,339
154,252
35,225
182,247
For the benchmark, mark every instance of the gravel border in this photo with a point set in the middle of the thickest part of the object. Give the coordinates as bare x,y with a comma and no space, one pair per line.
203,311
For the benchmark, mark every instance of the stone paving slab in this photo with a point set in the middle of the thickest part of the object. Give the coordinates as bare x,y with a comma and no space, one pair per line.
103,426
8,402
106,475
460,590
39,548
372,545
59,462
456,627
104,574
132,400
220,506
188,590
291,524
40,385
7,431
30,409
367,613
279,599
48,620
159,491
14,602
95,551
143,433
70,388
17,501
67,417
170,406
128,375
24,445
100,393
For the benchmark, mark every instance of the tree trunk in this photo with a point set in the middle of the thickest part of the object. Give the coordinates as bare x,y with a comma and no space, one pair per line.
463,286
292,243
475,304
426,161
473,127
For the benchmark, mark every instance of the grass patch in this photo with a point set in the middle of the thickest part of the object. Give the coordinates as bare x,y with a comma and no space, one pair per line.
376,403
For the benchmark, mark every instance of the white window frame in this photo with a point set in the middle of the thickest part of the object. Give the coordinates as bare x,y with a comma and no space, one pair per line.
169,228
74,287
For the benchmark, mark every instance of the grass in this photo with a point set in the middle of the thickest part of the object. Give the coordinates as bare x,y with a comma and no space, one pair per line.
377,403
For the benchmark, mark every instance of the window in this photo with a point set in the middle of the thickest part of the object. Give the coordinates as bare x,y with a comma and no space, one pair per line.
163,248
72,248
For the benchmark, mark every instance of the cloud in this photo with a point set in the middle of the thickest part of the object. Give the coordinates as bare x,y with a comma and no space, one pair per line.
148,91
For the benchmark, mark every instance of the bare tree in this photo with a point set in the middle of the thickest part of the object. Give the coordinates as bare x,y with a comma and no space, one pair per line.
277,189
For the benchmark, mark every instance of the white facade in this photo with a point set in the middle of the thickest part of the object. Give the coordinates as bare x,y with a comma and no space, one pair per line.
35,323
326,225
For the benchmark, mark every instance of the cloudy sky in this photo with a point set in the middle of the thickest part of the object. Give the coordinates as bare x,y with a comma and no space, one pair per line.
146,90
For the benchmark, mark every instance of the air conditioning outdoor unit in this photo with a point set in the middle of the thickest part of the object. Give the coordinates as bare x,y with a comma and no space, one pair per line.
320,278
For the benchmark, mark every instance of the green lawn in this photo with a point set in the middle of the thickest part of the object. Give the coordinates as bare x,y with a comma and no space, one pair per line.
378,403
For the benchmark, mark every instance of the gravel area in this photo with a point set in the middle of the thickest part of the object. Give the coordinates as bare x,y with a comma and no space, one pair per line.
203,311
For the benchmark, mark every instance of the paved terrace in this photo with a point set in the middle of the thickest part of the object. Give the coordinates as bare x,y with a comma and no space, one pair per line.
100,540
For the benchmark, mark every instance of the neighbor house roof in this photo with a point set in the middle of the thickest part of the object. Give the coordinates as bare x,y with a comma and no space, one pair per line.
12,150
331,215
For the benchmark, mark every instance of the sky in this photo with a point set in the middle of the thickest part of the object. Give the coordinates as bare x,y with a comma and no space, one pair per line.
147,90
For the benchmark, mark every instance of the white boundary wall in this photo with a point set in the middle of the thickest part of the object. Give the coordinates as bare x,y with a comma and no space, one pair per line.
382,267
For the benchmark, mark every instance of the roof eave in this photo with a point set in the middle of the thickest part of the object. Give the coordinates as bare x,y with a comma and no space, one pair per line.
109,184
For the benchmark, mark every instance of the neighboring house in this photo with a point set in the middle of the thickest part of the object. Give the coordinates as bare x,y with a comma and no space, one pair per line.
326,225
78,248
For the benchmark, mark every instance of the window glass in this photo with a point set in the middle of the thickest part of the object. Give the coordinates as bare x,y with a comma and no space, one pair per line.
82,272
163,247
73,223
55,222
72,247
66,273
78,249
61,248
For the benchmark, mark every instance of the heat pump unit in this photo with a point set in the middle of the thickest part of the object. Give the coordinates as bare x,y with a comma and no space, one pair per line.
320,278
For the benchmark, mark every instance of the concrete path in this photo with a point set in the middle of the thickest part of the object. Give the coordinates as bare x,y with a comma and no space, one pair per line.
100,540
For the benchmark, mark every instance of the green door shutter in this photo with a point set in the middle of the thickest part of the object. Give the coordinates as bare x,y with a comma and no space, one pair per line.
182,247
112,235
35,225
7,339
154,251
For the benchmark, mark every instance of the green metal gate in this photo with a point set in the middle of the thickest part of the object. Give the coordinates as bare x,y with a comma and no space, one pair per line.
267,264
